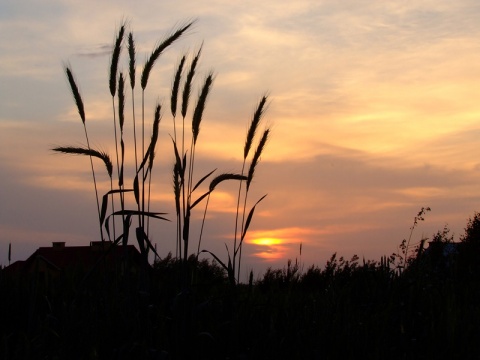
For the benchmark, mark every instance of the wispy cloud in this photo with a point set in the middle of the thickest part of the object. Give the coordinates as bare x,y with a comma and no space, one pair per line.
96,51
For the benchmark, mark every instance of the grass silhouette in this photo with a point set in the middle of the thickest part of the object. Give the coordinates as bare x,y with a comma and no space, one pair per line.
184,150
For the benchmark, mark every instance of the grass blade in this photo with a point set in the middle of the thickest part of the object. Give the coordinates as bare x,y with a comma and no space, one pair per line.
202,180
247,222
136,189
105,201
199,199
216,258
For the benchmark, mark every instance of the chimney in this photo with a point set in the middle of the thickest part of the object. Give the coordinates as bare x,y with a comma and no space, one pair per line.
58,244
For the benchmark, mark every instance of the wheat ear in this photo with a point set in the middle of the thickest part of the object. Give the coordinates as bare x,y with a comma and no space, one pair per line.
158,51
88,152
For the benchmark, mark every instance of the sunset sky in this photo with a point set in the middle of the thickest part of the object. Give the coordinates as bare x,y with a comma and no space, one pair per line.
374,108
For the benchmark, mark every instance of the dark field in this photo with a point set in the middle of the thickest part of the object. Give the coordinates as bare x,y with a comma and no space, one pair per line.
348,309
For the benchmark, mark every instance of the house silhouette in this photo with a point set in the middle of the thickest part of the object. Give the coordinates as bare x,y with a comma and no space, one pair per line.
48,263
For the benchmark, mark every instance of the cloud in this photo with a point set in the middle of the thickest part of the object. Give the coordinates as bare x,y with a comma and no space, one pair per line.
96,51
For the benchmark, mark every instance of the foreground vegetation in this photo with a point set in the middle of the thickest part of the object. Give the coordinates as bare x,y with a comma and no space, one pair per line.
347,309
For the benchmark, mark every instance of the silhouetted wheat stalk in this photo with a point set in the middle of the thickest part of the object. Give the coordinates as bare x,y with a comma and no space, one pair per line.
151,150
88,152
144,81
112,85
131,73
183,178
174,94
416,219
159,49
246,150
184,192
251,172
234,260
143,171
183,170
81,111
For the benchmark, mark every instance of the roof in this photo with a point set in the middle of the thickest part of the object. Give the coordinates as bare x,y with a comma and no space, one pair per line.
14,268
60,257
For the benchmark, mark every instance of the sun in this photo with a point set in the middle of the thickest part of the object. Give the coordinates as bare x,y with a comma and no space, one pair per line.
268,248
266,241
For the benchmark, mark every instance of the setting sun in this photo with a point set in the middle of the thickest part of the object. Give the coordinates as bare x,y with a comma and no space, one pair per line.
269,248
266,241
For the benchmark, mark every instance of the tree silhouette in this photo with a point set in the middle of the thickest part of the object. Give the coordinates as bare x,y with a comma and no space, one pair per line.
472,231
468,264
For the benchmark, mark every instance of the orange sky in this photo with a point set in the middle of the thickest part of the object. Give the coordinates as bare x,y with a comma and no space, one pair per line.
373,108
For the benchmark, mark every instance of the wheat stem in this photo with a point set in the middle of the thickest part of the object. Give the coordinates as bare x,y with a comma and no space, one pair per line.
81,110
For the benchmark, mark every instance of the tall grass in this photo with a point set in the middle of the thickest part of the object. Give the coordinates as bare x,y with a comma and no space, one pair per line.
121,104
405,244
141,183
81,111
246,150
186,184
